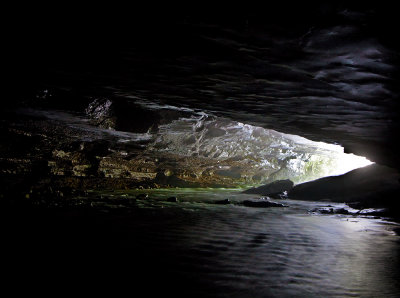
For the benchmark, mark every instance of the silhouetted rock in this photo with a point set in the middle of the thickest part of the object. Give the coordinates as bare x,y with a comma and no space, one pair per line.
261,204
274,188
172,199
223,202
371,186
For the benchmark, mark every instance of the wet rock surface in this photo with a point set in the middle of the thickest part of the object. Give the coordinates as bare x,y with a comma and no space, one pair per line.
262,203
373,212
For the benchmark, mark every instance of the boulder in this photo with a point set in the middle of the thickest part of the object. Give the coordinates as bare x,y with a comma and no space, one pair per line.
101,112
372,186
272,188
330,210
261,203
172,199
223,202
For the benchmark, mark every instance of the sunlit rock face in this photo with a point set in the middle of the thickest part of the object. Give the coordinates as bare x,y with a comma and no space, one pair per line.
223,150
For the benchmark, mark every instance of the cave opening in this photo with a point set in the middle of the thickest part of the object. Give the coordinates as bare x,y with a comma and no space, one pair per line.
244,155
238,154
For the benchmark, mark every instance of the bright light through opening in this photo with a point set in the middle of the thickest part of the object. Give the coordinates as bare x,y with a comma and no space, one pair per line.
348,162
233,153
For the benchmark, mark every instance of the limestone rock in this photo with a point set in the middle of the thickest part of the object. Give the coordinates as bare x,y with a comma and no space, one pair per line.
101,112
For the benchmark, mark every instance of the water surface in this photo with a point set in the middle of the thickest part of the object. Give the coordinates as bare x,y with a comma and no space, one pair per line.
236,251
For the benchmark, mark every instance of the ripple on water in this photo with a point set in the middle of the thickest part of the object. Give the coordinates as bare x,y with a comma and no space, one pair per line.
236,251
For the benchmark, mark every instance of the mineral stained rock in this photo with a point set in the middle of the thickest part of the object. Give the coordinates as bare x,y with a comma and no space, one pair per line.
101,112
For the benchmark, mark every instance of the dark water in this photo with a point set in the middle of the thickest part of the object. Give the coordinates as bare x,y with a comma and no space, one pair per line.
197,248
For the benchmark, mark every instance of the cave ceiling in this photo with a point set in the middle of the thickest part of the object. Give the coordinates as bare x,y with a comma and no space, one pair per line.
330,74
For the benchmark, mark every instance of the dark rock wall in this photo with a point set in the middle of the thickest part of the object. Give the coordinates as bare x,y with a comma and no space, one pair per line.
372,186
327,71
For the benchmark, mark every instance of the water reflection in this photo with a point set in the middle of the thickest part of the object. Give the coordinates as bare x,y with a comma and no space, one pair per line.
236,251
